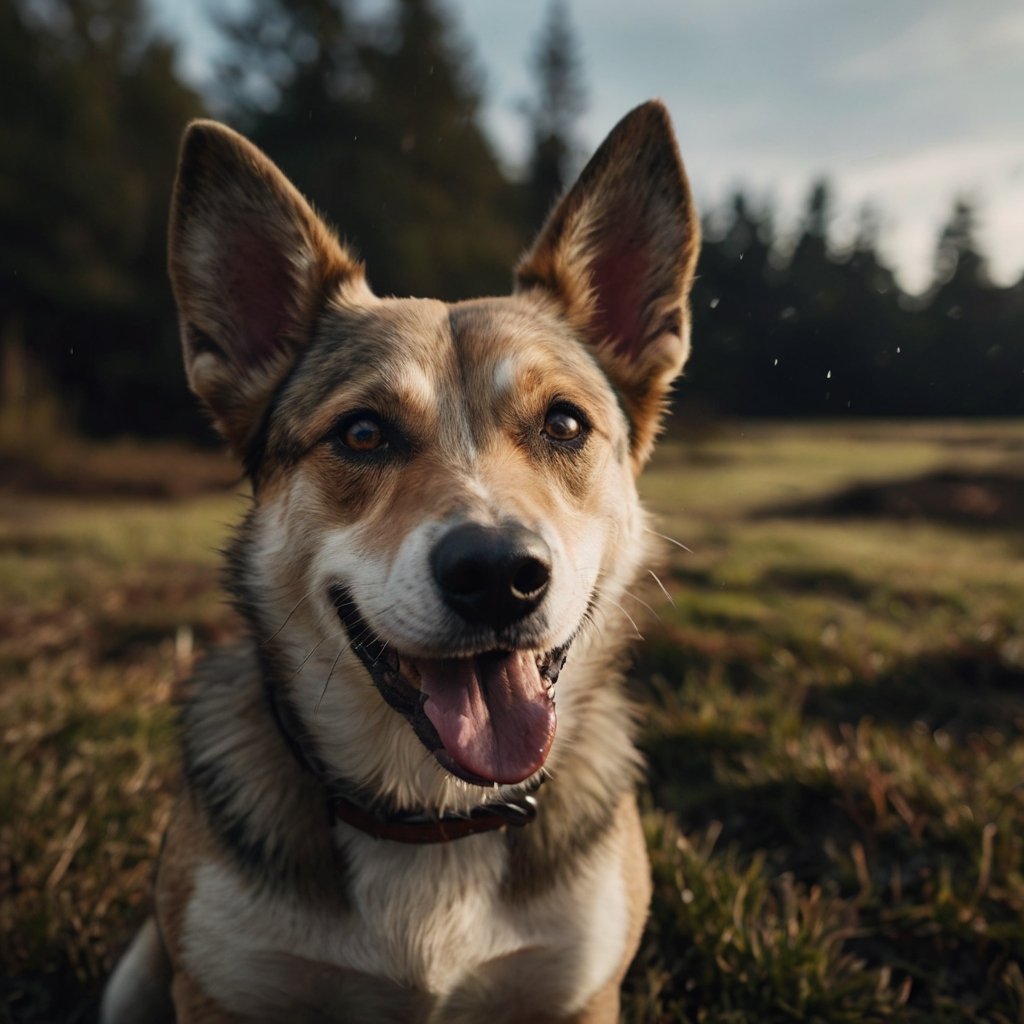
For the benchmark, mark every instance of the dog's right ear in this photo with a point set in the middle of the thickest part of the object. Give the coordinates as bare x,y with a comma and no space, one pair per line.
617,254
251,265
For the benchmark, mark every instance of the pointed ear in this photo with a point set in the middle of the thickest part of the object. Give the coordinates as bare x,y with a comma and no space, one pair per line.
618,254
251,265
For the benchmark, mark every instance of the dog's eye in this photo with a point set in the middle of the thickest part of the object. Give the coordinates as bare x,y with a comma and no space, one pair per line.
563,424
363,434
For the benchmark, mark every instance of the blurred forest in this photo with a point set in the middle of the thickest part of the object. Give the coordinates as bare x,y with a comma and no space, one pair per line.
379,121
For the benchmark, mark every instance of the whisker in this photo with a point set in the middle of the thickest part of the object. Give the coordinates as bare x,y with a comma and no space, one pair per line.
671,540
327,681
629,617
302,664
639,601
287,619
305,597
671,599
601,593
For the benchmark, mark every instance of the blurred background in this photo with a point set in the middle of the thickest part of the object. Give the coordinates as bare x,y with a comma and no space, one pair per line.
832,659
861,177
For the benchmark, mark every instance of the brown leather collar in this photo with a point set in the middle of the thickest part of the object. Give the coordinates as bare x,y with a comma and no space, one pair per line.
414,827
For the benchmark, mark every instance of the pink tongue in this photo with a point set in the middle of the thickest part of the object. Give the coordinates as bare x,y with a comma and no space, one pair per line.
491,712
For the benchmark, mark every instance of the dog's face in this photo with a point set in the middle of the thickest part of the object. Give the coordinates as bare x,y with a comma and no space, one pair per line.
445,509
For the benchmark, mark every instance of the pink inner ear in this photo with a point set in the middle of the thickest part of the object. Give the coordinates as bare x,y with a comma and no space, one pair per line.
621,273
259,287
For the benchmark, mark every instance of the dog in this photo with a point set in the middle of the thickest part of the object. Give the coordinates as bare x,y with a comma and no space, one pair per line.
390,813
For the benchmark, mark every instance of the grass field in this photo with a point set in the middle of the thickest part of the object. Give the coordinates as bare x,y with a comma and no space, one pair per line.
835,725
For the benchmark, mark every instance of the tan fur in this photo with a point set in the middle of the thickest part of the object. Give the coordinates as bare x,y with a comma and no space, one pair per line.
268,908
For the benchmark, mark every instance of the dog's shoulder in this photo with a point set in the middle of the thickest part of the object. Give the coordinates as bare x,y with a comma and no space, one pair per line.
249,804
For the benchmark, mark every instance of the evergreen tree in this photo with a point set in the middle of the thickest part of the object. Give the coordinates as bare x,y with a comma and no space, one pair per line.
442,218
811,339
85,175
875,354
864,261
735,310
560,101
812,244
961,360
958,262
288,64
290,83
378,123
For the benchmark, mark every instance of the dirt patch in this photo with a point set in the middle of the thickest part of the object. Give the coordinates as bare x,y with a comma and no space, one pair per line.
949,496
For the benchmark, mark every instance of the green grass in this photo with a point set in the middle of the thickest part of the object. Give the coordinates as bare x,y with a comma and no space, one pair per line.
102,603
834,728
834,734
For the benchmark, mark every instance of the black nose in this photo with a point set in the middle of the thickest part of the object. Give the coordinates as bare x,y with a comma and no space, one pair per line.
491,576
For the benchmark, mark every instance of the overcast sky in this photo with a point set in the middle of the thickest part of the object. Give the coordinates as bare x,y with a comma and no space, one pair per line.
906,104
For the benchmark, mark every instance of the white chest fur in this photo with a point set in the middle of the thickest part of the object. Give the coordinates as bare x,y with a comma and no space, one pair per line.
428,918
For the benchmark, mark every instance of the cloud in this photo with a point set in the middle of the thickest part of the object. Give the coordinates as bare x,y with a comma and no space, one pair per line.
948,39
917,189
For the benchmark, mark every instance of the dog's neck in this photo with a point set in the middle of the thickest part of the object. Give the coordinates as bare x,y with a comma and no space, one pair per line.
359,810
277,817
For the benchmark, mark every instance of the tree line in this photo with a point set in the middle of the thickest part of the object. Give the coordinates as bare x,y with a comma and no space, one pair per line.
379,121
804,326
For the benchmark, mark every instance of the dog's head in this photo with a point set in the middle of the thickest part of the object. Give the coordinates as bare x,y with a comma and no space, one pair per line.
444,497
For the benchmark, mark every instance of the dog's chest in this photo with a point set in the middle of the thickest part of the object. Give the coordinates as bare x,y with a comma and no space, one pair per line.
429,919
430,911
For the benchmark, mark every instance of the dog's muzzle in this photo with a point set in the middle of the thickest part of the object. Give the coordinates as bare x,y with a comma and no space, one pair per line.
483,702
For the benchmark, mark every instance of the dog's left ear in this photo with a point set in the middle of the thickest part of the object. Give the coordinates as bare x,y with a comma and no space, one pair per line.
618,255
251,265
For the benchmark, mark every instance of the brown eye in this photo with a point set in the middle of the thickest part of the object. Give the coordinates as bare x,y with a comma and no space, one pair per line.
563,424
363,435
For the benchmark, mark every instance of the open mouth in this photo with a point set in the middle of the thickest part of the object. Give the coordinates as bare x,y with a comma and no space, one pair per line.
487,718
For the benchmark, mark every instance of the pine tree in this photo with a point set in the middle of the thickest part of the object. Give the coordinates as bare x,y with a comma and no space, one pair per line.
378,123
735,310
962,364
85,175
560,101
958,262
443,220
